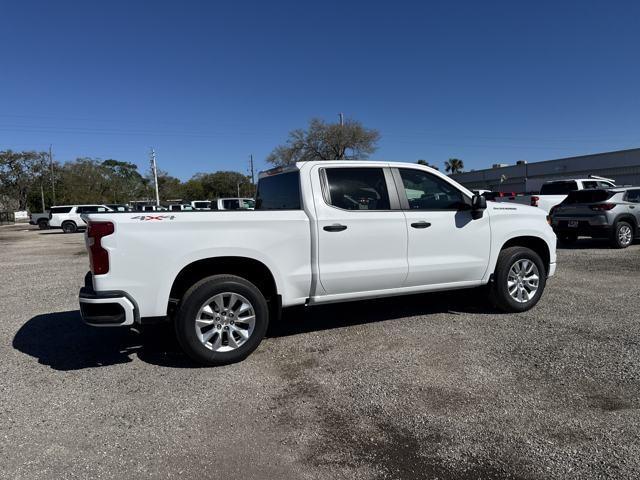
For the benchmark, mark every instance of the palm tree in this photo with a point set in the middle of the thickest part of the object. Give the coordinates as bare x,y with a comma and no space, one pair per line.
426,164
454,165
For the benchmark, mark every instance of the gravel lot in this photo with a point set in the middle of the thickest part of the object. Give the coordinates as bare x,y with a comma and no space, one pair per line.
428,386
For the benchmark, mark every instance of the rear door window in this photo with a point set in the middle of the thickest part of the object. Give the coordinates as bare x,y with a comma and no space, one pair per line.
231,204
633,196
358,188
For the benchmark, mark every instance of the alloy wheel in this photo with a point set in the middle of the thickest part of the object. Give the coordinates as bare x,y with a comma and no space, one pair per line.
523,280
225,322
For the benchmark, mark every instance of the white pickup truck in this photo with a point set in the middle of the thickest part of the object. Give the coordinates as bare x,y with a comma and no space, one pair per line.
554,192
330,231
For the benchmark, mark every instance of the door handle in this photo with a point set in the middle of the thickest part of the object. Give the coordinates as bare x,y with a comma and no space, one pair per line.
336,227
421,225
632,206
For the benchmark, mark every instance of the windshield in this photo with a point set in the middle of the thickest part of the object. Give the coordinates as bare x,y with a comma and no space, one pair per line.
558,188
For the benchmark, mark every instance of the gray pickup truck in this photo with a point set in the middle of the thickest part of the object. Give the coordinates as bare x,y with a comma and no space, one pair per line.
40,219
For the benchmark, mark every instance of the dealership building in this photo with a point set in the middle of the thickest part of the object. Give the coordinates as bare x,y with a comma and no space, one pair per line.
623,166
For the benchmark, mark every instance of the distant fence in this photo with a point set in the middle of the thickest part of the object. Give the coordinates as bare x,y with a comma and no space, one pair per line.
7,218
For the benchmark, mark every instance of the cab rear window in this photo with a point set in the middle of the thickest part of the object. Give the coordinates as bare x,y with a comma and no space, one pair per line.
279,192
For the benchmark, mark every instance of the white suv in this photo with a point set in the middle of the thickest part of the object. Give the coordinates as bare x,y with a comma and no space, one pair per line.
68,217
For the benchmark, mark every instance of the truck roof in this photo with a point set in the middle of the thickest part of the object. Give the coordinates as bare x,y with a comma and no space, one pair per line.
307,164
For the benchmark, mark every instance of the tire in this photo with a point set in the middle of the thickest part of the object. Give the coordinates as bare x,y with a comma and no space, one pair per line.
568,238
69,227
43,224
506,273
621,235
209,343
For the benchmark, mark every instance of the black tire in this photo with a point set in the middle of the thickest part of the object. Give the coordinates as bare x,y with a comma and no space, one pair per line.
69,227
43,224
568,238
197,296
617,239
499,290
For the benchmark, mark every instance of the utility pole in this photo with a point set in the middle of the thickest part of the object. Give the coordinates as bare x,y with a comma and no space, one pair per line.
53,183
238,185
341,115
42,195
251,163
154,169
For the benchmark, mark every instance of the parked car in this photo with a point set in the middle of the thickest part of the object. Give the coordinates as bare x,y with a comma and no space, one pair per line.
552,193
40,219
201,204
68,217
176,207
322,232
116,207
233,204
150,208
612,213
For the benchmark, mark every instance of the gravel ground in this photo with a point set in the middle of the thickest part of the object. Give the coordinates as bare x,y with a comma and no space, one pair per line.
427,386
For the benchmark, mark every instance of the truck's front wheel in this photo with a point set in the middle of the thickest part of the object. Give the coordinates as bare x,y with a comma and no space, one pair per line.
519,279
221,320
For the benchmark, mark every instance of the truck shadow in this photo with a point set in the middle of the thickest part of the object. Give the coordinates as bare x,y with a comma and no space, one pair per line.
62,341
301,320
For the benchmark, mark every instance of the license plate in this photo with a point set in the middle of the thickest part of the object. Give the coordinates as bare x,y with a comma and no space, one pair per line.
573,223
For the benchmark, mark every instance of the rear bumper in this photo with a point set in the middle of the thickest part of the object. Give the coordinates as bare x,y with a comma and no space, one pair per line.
583,229
107,309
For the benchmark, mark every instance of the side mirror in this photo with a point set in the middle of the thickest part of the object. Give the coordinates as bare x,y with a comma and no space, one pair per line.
478,204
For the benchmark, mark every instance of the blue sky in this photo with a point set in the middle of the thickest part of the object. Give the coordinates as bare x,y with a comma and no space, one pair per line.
208,83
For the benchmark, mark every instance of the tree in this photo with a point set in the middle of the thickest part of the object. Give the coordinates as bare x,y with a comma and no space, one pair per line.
218,184
454,165
20,173
426,164
124,181
326,141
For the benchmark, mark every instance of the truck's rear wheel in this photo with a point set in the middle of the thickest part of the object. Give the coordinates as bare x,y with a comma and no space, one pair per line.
519,280
43,224
221,319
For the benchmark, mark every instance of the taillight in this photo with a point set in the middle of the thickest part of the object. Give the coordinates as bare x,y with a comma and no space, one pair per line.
602,207
98,256
534,201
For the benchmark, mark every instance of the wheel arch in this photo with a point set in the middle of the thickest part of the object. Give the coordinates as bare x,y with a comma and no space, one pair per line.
629,218
537,244
248,268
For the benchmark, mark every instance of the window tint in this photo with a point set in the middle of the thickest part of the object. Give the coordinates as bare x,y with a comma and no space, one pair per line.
558,188
633,196
588,196
358,188
279,192
428,192
605,185
202,204
248,203
60,210
231,204
590,184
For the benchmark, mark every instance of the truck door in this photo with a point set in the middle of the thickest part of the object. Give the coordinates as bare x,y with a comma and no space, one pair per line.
446,245
362,234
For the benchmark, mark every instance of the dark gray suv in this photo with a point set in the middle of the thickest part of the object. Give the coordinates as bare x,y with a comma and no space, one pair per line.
613,213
